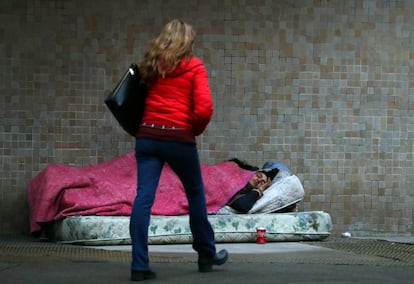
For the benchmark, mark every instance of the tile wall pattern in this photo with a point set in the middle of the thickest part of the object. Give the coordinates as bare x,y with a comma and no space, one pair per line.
324,86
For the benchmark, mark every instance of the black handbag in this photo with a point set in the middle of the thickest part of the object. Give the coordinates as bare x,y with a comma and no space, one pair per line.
127,100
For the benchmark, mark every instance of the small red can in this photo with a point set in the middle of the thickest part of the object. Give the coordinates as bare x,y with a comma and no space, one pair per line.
261,235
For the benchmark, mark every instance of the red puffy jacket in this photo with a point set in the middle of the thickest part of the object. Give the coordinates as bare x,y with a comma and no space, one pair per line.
182,99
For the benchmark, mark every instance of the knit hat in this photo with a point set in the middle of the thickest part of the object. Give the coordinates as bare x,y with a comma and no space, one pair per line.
275,165
273,169
270,173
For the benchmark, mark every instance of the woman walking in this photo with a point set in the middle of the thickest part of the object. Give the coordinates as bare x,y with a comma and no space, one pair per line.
178,108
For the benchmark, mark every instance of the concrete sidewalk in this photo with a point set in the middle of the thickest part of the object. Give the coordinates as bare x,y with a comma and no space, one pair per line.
26,261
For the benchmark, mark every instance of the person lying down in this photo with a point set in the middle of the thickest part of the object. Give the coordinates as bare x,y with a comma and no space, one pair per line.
271,173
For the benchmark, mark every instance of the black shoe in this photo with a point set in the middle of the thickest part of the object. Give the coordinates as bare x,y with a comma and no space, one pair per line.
142,275
205,264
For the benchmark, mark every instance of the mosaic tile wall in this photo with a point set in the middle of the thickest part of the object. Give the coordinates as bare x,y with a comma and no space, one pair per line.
325,86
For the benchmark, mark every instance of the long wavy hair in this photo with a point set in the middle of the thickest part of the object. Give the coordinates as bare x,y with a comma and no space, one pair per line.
165,52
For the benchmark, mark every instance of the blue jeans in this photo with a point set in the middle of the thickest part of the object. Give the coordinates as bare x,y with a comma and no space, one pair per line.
182,157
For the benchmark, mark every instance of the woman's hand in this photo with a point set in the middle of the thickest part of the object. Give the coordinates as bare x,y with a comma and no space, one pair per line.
264,185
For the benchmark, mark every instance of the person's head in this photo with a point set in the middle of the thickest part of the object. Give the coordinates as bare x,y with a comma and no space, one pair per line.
165,52
259,179
262,177
176,39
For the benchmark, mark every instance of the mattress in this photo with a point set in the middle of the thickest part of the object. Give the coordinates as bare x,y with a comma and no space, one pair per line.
114,230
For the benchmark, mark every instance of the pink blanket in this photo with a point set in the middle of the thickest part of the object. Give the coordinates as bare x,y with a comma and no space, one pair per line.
109,188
